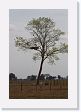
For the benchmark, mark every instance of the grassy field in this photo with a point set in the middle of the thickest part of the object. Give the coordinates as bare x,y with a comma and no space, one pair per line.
53,89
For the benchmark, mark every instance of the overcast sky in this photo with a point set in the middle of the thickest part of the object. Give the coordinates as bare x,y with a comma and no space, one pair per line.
21,63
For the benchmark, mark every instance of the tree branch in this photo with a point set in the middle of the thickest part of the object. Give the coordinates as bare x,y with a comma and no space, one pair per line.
38,37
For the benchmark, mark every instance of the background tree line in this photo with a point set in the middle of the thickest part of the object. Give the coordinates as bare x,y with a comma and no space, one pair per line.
12,76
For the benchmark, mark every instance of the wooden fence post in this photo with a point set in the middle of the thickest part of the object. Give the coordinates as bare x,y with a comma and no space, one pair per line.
36,87
50,85
21,84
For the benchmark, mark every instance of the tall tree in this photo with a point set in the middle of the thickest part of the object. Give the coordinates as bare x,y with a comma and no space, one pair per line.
45,41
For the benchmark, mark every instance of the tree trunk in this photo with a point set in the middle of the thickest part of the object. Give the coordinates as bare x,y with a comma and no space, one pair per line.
40,70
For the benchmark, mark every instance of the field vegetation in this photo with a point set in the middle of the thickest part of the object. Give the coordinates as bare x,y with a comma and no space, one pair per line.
47,89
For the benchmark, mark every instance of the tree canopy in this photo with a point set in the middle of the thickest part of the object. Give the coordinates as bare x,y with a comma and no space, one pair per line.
45,39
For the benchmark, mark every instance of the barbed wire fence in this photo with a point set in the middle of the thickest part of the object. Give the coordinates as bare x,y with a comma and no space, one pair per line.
29,88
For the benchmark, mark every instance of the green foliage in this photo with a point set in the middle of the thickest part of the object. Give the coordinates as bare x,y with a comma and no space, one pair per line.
63,48
36,56
22,43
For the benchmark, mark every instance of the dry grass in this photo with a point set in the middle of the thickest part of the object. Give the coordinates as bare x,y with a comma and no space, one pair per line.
55,89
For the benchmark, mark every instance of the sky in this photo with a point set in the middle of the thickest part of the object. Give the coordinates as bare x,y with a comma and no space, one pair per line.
20,62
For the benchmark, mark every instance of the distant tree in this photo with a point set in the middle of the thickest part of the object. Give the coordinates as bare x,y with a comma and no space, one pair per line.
45,41
54,77
59,77
49,78
46,75
28,77
32,77
12,76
